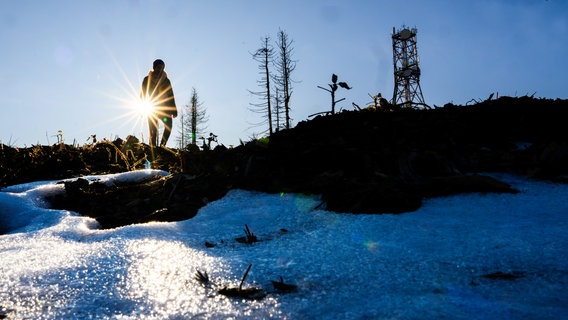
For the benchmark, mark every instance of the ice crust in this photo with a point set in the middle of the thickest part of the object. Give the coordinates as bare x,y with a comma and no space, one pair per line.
427,264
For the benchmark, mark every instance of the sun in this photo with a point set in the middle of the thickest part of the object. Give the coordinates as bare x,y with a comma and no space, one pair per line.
144,107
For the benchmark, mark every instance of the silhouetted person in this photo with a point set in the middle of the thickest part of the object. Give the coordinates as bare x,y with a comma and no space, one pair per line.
157,88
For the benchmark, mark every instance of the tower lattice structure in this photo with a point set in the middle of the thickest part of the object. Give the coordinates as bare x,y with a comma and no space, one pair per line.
407,90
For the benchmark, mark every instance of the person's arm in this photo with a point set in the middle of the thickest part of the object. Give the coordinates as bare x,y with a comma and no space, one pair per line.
171,100
144,88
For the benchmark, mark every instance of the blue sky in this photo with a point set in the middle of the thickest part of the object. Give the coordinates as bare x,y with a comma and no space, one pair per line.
75,66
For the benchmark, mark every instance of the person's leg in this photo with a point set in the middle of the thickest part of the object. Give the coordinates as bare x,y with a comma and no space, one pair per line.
167,120
153,131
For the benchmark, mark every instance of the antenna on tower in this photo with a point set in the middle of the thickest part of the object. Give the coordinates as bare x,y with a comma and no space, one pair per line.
407,90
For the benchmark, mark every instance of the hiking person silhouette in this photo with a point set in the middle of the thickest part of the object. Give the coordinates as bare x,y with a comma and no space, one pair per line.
157,90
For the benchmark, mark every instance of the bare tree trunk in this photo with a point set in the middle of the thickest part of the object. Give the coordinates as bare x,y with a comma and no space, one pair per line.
268,96
264,56
285,66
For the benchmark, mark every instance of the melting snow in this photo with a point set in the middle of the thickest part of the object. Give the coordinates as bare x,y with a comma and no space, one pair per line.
427,264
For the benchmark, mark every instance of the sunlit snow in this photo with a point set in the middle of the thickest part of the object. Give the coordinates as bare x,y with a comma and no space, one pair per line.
428,264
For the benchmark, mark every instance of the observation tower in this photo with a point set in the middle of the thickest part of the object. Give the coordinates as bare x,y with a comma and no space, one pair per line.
407,90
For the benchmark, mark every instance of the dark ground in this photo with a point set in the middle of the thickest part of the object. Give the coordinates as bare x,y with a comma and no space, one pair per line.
359,161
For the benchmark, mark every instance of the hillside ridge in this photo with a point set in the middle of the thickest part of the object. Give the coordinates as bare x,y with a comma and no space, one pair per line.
358,161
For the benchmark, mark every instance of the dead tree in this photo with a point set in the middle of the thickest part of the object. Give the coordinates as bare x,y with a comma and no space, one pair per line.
264,56
285,65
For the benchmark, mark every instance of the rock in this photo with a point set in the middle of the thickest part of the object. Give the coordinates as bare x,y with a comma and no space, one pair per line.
252,293
283,287
499,275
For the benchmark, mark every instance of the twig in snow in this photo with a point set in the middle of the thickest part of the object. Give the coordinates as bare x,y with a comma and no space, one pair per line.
244,277
248,238
202,277
246,293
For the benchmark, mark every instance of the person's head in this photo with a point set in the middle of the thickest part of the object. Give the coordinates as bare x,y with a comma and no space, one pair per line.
158,65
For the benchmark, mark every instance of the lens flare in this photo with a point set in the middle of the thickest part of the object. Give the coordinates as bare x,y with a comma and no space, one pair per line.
127,111
370,245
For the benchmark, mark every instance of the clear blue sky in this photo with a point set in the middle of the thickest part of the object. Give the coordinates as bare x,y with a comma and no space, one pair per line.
73,65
